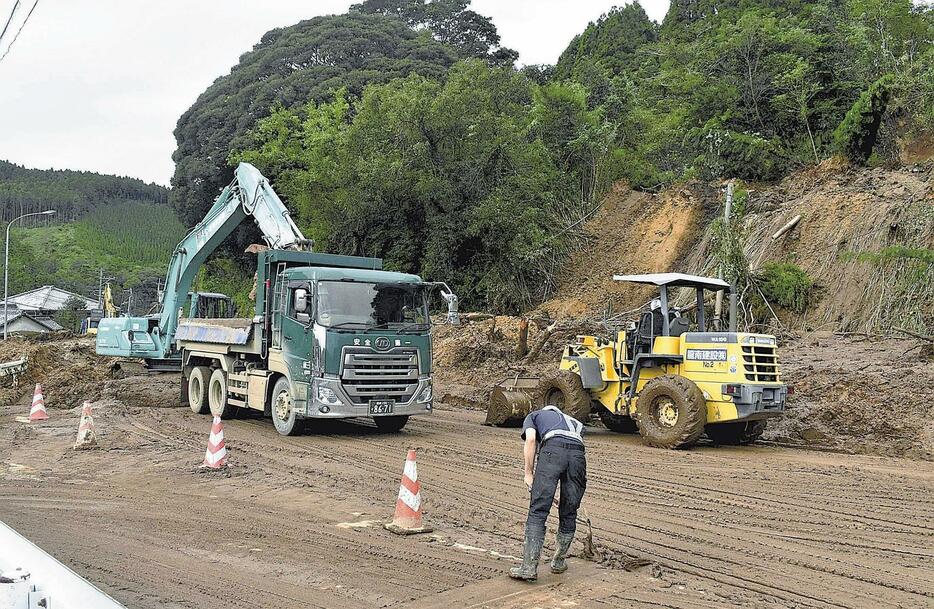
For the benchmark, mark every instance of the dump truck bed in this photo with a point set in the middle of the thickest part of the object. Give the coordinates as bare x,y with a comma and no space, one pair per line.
235,331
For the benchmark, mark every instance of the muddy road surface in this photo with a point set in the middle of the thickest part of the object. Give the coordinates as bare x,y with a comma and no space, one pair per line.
296,521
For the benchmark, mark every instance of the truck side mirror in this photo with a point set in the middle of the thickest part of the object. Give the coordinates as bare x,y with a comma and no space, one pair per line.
300,300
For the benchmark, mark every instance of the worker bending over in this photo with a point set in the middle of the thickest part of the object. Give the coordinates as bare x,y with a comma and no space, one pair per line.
560,446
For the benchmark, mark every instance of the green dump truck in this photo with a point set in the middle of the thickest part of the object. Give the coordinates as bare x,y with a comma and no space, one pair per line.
331,336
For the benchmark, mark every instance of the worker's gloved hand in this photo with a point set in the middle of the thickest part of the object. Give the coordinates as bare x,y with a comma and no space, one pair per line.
528,481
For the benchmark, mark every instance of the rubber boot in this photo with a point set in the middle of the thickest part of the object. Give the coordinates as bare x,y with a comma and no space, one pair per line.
531,552
562,545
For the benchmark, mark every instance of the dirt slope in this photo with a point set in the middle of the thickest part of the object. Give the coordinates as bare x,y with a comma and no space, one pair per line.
847,214
296,520
633,232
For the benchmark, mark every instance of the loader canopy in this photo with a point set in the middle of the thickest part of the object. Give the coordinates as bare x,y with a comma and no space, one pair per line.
677,280
665,322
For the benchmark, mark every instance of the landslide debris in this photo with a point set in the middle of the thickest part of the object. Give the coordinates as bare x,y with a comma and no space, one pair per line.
852,394
66,366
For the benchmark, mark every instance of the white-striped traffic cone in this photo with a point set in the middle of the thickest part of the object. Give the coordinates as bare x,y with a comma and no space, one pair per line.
87,433
408,517
37,412
215,457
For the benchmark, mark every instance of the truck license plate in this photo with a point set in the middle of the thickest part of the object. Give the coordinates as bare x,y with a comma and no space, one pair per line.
381,406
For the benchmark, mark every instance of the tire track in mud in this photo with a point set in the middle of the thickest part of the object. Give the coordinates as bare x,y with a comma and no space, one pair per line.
846,572
521,510
713,518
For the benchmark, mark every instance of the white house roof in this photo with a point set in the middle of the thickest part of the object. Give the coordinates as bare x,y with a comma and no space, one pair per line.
676,280
47,298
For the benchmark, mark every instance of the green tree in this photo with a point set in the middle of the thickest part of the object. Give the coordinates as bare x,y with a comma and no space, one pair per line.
451,22
289,67
466,180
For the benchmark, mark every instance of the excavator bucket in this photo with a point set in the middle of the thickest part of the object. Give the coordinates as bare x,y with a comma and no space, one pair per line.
512,399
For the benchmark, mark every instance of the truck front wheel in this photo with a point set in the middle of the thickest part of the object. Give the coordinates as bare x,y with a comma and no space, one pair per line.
198,389
283,410
391,424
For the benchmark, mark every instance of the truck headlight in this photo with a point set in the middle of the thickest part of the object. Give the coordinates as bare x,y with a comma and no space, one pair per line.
425,395
326,395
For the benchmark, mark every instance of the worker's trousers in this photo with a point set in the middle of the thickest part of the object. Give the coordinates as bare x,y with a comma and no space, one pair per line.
564,462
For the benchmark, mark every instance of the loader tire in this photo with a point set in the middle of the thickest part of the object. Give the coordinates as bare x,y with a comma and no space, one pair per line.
671,412
619,423
735,434
198,389
217,395
564,390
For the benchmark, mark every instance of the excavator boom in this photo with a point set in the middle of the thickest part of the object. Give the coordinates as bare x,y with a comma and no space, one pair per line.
248,195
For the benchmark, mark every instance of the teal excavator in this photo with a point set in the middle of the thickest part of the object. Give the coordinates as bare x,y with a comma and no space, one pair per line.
248,195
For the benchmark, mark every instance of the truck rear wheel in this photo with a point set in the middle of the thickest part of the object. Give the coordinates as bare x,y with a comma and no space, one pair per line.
565,390
198,389
671,412
217,395
391,424
620,423
735,434
283,409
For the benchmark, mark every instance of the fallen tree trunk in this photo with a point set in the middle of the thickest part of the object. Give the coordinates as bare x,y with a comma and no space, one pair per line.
546,336
791,224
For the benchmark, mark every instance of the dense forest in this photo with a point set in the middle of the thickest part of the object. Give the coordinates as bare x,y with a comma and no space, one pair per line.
480,174
117,225
376,42
404,129
72,194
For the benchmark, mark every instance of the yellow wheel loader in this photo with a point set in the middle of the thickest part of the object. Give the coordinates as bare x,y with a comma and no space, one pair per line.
670,378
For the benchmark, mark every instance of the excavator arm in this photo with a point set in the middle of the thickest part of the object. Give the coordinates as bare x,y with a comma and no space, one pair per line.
248,195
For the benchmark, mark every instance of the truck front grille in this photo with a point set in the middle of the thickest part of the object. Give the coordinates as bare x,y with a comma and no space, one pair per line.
367,374
760,364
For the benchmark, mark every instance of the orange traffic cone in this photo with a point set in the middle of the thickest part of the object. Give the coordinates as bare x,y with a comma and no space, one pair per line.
87,433
215,457
37,412
408,517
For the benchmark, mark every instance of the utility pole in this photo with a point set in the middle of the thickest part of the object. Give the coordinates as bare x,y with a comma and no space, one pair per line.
727,210
6,265
100,289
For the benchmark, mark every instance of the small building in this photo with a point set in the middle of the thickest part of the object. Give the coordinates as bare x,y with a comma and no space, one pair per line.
47,299
22,322
34,310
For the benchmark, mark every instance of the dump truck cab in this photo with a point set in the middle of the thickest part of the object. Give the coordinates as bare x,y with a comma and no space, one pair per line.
358,339
673,378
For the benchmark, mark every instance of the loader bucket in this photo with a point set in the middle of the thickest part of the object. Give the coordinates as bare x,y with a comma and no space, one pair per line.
511,400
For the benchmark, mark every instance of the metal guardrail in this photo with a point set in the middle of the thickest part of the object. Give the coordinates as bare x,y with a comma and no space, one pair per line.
14,368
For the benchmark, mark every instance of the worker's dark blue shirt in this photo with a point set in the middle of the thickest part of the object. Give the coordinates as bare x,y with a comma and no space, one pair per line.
549,422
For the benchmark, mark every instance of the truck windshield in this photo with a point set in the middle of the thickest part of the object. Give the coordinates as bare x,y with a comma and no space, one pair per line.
357,304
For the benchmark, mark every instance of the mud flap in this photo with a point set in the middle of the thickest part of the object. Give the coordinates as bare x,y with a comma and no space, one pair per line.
591,376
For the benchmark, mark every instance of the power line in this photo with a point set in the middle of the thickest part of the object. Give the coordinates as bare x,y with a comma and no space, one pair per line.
25,21
9,19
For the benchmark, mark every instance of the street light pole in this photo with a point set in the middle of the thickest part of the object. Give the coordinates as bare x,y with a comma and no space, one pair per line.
6,264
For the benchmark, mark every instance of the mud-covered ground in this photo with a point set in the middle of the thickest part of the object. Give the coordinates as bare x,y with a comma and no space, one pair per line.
296,521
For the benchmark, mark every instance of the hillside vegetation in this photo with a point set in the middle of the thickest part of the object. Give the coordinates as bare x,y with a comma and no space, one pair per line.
482,175
120,225
72,194
377,41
